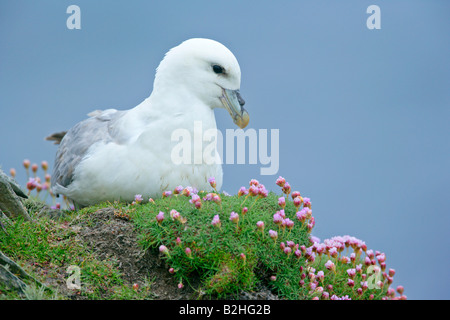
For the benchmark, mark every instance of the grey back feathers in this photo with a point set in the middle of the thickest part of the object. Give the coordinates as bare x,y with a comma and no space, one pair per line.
76,142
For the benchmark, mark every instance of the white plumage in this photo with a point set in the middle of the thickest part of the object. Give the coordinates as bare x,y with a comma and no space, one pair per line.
114,155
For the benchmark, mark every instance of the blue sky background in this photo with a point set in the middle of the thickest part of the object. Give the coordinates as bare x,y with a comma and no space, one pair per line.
363,114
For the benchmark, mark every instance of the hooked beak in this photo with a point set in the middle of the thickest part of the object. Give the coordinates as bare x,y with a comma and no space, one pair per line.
233,102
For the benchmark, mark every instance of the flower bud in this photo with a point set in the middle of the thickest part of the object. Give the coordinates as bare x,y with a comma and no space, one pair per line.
273,234
26,163
234,217
260,225
282,202
212,182
160,217
391,272
44,165
163,249
280,181
400,290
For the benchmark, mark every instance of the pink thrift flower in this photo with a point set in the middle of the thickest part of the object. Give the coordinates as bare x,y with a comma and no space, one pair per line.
273,234
180,285
381,258
178,190
282,202
391,272
163,249
212,182
194,198
242,191
174,214
26,163
277,218
308,213
380,284
254,182
167,194
333,252
44,165
320,275
358,268
186,192
216,221
244,210
260,225
400,289
262,191
253,190
286,188
390,292
298,201
234,217
289,223
329,265
287,250
280,181
160,217
188,251
216,199
32,184
301,215
307,202
351,273
298,253
138,198
345,259
295,194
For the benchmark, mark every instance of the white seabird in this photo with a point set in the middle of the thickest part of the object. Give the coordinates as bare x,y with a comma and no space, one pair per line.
114,155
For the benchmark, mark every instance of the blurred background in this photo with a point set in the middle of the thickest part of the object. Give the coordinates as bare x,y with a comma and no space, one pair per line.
363,114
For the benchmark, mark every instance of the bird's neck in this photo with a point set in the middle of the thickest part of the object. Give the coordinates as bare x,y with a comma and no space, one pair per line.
180,109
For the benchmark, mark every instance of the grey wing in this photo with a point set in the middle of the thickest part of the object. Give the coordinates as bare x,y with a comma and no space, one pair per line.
77,141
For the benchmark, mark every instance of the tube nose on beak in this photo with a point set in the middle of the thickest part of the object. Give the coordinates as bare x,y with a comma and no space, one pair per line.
234,103
240,99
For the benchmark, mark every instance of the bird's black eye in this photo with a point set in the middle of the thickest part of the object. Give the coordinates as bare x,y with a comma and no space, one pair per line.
218,69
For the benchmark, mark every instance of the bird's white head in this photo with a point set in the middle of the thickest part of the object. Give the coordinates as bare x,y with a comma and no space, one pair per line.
207,70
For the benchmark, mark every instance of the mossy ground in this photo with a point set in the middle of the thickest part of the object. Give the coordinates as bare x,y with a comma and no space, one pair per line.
224,260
